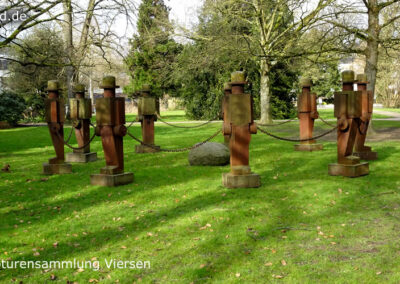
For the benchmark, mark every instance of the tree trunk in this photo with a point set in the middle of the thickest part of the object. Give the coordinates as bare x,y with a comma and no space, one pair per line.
67,31
371,51
265,96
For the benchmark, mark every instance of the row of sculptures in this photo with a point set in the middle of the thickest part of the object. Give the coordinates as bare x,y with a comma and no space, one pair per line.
353,110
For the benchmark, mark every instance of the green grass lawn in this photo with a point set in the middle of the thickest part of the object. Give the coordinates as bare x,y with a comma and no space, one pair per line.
328,113
391,109
301,226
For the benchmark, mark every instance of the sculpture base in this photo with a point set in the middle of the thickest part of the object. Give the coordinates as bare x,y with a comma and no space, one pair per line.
352,171
251,180
308,147
367,156
57,169
142,149
81,157
111,180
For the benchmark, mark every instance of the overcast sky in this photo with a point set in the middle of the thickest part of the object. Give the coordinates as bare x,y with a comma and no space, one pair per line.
184,11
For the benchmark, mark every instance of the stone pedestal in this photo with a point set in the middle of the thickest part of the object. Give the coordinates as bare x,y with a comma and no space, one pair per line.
251,180
142,149
367,156
81,157
57,169
111,180
308,147
352,171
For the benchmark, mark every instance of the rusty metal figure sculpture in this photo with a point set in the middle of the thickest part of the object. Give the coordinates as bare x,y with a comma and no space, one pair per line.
348,110
239,130
367,98
55,116
81,113
110,117
147,116
307,114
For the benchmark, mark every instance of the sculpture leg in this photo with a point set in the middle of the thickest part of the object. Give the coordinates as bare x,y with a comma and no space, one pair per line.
148,129
57,165
346,140
348,165
148,136
111,153
82,139
57,137
306,125
361,137
82,134
306,128
239,144
360,150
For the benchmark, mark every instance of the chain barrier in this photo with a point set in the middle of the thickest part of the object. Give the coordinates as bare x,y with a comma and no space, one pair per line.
296,140
134,121
327,123
277,124
175,150
179,126
78,148
70,134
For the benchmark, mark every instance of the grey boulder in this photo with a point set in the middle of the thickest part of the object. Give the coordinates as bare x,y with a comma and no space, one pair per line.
210,154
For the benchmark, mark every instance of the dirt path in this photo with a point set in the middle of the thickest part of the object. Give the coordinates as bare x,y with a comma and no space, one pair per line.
395,115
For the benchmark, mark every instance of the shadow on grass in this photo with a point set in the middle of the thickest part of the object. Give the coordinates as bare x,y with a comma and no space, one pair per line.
158,171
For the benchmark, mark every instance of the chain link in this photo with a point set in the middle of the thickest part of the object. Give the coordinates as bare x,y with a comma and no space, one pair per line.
175,150
277,124
70,134
78,148
134,121
296,140
179,126
327,123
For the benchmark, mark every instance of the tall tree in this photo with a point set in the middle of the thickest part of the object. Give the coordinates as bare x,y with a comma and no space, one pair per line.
28,80
88,25
153,50
276,29
217,48
370,25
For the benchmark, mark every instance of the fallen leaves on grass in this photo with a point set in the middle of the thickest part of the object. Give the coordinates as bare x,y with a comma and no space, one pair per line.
283,262
205,227
6,169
